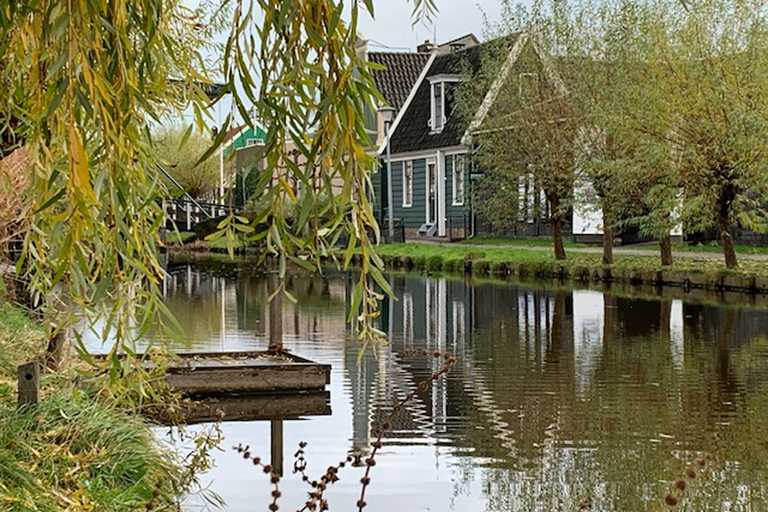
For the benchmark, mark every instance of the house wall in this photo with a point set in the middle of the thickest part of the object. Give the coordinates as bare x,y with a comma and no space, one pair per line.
415,215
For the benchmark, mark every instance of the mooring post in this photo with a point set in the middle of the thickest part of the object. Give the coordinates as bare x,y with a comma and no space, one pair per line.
276,440
275,310
29,383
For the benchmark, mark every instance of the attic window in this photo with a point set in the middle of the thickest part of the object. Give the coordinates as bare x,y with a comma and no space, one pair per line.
529,86
441,100
254,142
438,119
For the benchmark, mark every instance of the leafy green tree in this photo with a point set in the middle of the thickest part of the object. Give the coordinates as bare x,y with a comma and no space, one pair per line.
688,94
527,133
179,152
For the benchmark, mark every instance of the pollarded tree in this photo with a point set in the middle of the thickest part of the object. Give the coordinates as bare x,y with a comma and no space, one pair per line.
720,84
532,154
526,128
624,154
695,89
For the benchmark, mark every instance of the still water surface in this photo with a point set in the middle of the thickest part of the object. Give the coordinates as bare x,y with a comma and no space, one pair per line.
561,398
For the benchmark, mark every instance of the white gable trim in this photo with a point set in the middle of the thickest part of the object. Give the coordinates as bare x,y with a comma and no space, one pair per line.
256,125
550,69
493,92
407,103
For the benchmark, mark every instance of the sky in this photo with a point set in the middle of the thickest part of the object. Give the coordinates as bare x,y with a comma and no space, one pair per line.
393,26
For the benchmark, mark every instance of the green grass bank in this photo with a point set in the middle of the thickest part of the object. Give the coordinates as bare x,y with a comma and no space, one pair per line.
752,276
651,248
73,451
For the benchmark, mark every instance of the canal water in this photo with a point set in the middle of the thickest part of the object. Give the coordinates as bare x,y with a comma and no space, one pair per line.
561,400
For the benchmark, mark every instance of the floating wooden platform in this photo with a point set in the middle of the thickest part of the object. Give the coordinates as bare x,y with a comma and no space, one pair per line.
246,372
223,373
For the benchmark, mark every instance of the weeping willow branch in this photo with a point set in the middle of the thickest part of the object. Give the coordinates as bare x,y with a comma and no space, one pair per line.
85,83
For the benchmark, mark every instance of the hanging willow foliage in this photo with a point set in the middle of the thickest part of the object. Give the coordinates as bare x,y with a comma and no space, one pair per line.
83,82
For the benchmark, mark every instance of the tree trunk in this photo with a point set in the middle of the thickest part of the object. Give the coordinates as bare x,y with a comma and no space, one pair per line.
666,250
607,238
557,228
58,347
724,229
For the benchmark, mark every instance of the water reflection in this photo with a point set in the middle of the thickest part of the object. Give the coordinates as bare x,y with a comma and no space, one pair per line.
560,398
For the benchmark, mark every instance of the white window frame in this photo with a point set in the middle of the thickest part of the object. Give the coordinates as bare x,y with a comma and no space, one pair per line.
459,158
526,78
249,143
437,123
407,183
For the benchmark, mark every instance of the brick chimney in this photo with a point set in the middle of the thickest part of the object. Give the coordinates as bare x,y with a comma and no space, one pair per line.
426,47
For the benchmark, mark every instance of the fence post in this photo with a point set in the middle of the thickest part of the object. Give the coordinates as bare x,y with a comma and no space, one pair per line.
29,383
276,446
275,309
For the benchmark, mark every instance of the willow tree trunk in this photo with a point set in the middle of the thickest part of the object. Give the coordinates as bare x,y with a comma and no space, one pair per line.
665,245
607,238
557,227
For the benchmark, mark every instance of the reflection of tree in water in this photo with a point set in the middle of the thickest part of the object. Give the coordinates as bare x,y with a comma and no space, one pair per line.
551,403
641,419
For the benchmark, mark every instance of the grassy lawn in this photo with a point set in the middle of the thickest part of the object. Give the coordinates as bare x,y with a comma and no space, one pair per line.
528,242
547,242
494,255
742,249
179,237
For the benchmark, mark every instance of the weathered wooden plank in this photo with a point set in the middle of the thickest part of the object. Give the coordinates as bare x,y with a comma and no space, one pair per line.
29,383
247,380
276,446
244,372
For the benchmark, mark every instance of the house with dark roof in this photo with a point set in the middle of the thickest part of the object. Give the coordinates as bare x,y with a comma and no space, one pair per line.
429,143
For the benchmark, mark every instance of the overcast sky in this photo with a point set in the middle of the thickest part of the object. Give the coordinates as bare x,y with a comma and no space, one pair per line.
393,26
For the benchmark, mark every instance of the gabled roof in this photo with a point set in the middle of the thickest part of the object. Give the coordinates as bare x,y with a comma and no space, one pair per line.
412,131
399,76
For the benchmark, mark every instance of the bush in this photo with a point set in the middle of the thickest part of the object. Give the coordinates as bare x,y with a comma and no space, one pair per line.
482,267
180,160
435,263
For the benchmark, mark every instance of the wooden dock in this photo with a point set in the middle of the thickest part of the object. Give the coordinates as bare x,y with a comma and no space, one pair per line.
224,373
245,372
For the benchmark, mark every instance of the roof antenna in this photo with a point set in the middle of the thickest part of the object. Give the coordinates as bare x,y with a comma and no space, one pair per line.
434,32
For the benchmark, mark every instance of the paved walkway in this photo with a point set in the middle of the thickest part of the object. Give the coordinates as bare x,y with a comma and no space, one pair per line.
617,251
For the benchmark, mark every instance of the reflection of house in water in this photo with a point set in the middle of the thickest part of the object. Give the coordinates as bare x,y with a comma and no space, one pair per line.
557,393
228,303
530,361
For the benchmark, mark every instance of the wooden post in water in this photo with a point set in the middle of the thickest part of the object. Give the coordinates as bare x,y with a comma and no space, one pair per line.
275,310
276,446
29,383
